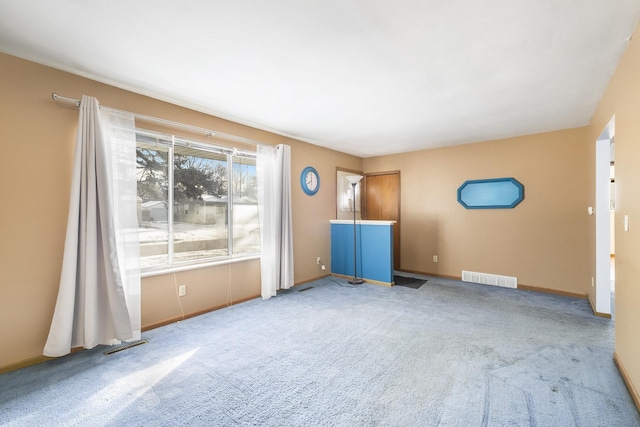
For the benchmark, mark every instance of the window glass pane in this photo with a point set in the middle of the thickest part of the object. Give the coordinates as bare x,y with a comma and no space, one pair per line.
152,174
246,227
200,204
200,216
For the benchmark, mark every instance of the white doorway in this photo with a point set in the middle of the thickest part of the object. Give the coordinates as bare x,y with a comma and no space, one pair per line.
604,224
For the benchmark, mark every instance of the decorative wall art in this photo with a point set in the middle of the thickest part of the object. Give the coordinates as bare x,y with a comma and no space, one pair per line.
496,193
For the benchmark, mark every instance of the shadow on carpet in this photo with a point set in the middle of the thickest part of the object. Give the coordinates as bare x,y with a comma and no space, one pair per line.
408,282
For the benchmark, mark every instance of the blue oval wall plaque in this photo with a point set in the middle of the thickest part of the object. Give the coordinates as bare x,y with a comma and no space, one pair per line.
497,193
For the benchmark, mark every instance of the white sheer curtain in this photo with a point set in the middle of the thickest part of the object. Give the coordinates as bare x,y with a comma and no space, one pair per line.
99,295
273,165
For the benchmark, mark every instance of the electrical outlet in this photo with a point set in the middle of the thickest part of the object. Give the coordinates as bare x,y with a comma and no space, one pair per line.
182,290
435,258
318,260
323,267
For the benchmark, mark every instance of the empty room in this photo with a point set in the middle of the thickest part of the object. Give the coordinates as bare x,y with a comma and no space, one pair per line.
319,213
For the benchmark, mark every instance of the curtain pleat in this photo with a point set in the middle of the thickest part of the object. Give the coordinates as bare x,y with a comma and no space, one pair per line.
91,307
285,240
120,134
273,166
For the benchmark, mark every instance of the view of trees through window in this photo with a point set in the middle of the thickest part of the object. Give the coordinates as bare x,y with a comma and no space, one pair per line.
188,212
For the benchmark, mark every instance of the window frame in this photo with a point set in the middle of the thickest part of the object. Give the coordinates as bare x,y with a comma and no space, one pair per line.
169,141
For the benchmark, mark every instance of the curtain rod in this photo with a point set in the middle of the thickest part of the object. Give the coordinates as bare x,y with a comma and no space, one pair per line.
206,132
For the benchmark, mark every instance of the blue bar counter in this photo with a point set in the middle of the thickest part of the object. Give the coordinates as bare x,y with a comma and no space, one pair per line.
374,250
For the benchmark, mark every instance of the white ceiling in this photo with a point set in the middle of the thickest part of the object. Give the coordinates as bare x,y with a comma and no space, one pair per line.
365,77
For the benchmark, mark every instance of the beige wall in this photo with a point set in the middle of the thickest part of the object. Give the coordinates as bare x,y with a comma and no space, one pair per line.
38,137
622,100
311,229
542,241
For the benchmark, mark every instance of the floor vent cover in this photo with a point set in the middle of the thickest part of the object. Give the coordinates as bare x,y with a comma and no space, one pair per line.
305,289
125,347
490,279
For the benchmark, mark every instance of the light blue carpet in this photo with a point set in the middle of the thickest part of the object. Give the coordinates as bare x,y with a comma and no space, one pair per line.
447,354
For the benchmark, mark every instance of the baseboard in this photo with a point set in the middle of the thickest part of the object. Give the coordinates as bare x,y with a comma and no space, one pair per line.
627,381
377,282
593,309
522,287
194,314
552,291
198,313
311,280
423,273
32,361
373,282
23,364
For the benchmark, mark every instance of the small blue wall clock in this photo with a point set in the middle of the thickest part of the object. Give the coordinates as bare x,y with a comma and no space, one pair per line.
310,181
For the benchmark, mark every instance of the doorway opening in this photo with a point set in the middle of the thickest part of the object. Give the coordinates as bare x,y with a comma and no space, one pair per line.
612,220
604,294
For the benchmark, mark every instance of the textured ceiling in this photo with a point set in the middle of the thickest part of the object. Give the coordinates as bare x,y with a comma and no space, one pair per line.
360,76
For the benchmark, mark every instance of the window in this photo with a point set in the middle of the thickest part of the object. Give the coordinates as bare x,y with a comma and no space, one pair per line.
246,225
188,213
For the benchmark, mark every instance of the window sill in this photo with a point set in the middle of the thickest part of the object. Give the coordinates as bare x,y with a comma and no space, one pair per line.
186,267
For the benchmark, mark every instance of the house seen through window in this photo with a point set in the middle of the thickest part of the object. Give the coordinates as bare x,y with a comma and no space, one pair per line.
196,202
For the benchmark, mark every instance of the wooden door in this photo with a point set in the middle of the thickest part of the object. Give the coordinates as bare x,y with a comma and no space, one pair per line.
382,202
